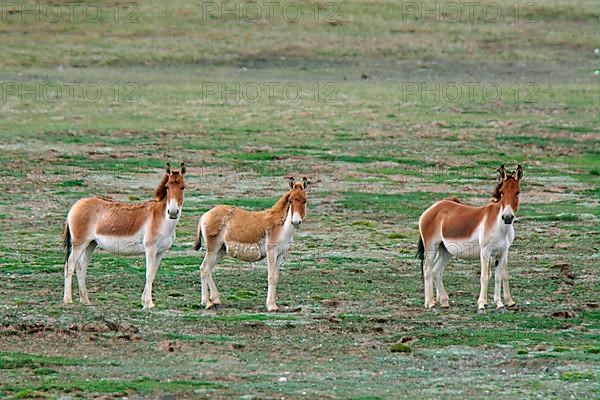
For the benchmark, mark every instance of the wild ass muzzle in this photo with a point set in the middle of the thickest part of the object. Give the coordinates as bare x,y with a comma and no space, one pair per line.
145,228
451,229
250,236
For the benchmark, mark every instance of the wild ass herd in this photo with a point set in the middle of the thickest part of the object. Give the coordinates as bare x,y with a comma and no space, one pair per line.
447,229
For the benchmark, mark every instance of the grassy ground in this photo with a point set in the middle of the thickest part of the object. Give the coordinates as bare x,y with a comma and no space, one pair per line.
99,108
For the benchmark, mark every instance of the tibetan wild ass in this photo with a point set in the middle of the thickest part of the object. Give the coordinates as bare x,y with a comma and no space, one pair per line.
451,229
250,236
122,228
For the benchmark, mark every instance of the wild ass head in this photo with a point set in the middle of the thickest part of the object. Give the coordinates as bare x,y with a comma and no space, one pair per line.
174,185
297,199
507,192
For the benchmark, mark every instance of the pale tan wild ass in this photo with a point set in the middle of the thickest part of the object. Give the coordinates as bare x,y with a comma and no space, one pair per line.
451,229
122,228
250,236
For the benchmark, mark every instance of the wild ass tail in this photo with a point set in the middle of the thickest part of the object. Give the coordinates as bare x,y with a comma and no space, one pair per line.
198,242
421,253
67,244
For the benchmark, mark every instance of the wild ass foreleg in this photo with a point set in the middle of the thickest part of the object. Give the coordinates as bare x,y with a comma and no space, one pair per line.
273,278
484,281
152,262
207,282
70,264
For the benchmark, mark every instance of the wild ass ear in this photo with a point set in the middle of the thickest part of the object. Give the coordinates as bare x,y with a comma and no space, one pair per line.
501,173
291,181
304,182
168,168
519,172
183,169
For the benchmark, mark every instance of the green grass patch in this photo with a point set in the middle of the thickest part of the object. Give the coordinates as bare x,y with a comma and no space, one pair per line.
536,140
476,337
400,348
203,338
142,385
73,183
577,376
13,360
243,317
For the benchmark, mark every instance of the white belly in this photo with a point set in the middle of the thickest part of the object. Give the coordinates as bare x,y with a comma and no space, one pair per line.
465,249
122,244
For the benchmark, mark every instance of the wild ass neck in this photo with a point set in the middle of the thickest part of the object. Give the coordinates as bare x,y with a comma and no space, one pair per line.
287,229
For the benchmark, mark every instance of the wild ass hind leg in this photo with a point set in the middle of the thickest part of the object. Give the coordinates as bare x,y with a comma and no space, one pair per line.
430,258
438,269
72,261
273,278
207,283
152,262
215,296
484,280
508,300
81,269
500,265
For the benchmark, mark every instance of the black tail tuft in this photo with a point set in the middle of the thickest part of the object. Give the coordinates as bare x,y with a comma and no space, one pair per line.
67,241
421,253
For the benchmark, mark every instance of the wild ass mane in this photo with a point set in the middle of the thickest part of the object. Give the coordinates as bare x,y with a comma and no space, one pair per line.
160,193
276,215
496,195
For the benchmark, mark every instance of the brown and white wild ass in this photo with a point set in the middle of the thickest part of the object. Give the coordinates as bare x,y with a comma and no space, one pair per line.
122,228
250,236
451,229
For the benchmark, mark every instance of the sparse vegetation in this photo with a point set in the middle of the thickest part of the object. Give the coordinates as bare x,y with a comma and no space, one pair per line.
350,289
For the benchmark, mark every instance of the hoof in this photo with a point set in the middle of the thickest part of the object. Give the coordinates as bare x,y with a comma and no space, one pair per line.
445,305
513,307
149,306
501,310
433,309
214,306
272,309
481,311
